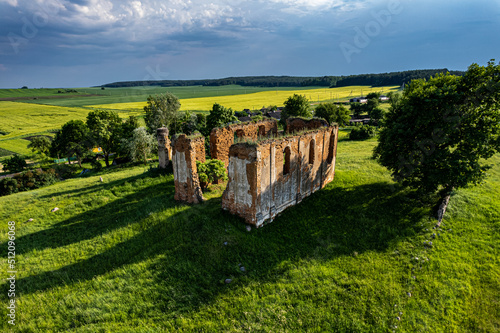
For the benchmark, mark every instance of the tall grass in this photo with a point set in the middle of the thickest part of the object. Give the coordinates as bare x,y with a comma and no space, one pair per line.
123,256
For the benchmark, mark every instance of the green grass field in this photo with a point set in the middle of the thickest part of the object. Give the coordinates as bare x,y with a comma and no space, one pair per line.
123,256
140,94
28,117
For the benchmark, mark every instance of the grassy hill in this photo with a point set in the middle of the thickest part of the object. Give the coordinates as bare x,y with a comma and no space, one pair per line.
123,256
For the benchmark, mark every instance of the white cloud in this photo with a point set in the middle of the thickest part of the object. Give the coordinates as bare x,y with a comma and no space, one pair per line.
13,3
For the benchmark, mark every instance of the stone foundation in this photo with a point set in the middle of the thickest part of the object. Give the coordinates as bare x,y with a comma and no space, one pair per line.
185,152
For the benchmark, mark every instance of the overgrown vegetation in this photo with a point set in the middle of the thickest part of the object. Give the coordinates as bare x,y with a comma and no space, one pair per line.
28,180
362,132
123,256
439,132
211,171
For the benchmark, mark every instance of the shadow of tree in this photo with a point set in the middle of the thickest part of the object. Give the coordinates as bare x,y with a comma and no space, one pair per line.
93,222
190,260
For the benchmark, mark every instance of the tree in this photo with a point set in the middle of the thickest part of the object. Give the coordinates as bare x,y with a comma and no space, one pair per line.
126,132
333,113
40,144
295,106
141,145
357,108
219,116
437,133
15,164
104,131
162,111
71,140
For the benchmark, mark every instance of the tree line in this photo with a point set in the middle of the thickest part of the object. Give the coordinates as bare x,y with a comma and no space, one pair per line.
379,80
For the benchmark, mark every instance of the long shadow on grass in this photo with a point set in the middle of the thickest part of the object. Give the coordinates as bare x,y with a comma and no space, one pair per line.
190,260
104,218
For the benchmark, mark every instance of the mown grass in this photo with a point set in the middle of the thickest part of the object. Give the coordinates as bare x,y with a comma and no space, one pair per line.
257,100
122,256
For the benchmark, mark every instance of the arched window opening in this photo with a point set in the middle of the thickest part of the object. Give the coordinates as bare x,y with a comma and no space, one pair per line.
286,161
262,130
331,148
312,146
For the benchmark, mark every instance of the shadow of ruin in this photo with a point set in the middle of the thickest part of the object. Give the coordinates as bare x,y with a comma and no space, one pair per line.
267,172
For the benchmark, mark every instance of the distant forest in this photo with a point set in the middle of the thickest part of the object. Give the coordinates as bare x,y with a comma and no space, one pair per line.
377,80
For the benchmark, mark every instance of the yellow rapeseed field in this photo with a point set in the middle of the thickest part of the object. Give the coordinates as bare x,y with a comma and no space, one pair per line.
19,119
258,100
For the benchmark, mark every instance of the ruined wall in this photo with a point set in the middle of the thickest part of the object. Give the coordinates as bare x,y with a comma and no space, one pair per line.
185,152
268,177
222,138
164,151
299,124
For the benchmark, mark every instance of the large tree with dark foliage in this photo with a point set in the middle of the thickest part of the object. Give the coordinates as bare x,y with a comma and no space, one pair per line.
295,106
162,111
219,116
105,129
438,133
71,140
333,113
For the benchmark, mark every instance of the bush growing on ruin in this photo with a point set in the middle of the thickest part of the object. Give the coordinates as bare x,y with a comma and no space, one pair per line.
438,133
211,171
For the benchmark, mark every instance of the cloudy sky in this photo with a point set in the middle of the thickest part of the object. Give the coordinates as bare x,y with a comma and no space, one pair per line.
75,43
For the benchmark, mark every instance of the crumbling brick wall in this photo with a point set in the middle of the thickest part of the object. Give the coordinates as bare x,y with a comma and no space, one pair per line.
186,150
300,124
223,137
267,177
164,151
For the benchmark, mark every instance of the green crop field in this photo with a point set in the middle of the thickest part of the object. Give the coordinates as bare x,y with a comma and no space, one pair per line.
140,94
19,146
257,100
122,256
21,118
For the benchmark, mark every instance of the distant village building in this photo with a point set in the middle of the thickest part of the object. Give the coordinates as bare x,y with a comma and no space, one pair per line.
384,98
361,99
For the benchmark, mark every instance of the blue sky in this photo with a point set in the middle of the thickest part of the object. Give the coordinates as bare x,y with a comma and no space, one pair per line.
76,43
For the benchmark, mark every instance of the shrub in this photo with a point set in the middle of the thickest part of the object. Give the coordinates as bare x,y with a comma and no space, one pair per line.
362,132
211,171
96,165
14,164
28,180
8,186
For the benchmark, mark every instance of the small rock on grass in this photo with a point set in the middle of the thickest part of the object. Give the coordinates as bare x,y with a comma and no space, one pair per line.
243,269
30,220
54,210
227,281
249,228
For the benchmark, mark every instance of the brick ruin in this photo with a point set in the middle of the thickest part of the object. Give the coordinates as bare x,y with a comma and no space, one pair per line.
186,150
164,151
266,178
267,174
222,138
